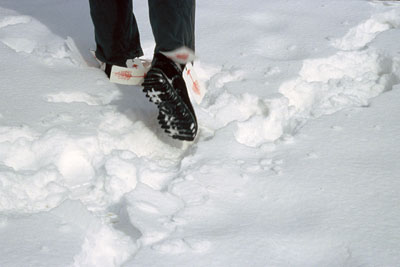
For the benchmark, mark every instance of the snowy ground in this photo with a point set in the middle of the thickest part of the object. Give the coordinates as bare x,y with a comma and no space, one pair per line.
296,163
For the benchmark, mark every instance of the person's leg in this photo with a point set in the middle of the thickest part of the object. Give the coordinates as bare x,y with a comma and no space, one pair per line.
172,22
116,32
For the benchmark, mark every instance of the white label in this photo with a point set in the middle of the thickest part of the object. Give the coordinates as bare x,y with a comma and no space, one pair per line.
134,75
196,91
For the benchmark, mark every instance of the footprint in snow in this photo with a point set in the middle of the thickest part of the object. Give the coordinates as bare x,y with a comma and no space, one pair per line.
192,193
154,202
178,246
312,155
272,165
262,164
71,97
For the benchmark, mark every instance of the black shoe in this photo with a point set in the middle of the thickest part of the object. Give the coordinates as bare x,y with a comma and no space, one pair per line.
107,70
165,87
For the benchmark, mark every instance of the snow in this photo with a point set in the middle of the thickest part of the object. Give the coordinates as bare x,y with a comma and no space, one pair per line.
296,162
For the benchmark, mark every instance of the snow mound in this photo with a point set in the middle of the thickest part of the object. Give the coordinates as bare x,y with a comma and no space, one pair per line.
14,20
104,247
361,35
343,80
40,42
152,212
40,171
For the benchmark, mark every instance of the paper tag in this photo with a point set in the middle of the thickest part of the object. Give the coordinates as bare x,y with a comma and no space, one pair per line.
196,91
134,75
136,70
181,55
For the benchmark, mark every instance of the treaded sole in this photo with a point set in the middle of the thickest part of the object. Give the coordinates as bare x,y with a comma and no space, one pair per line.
175,117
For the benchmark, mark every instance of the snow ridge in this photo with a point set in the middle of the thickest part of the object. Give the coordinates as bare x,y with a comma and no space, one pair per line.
360,36
349,78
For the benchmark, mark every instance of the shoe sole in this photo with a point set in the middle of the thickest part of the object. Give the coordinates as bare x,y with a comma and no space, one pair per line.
175,117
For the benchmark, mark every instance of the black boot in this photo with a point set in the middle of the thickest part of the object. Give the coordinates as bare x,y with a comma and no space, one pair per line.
165,87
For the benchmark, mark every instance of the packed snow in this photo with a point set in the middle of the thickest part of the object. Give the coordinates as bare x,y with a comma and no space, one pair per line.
296,162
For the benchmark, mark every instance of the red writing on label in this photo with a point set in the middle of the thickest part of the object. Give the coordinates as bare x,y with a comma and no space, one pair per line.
196,85
126,75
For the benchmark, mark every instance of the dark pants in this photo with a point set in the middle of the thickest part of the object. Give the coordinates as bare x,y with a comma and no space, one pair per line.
117,34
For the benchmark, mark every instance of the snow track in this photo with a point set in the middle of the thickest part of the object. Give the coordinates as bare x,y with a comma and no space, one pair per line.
86,158
350,78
